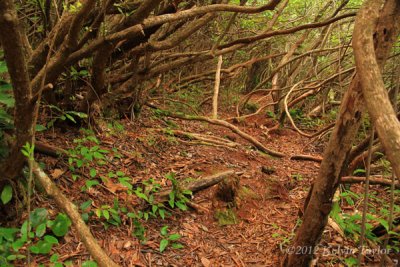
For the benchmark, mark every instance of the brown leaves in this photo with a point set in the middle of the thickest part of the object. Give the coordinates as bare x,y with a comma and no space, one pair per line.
56,173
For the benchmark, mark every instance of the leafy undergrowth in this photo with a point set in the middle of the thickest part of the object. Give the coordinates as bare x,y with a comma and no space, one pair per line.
114,179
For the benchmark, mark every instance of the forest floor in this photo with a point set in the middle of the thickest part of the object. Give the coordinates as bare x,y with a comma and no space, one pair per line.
267,213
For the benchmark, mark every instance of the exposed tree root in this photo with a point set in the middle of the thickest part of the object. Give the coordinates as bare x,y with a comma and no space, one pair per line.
225,124
204,138
69,208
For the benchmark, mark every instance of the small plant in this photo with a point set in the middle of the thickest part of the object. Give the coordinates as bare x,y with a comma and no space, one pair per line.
351,261
36,237
115,128
271,114
86,152
147,194
169,239
60,114
350,223
283,236
54,259
122,179
177,196
139,231
111,214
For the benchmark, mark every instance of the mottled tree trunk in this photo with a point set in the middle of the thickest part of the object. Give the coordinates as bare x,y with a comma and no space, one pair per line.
376,97
13,44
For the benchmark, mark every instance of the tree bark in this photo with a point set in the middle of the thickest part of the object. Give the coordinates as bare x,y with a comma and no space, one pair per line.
375,95
13,45
216,88
335,155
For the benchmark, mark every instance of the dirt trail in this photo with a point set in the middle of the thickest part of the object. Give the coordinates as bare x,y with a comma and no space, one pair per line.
267,211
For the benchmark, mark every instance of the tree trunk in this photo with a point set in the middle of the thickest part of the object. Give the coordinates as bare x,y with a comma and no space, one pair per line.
339,145
14,51
376,97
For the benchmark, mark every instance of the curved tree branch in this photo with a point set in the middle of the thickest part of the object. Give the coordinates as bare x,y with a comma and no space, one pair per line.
375,94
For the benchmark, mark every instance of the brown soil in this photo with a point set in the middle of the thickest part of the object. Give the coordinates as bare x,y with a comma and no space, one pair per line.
267,213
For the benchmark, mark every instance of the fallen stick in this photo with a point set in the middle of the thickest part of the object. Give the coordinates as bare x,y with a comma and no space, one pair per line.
201,183
307,157
372,181
197,207
49,150
70,209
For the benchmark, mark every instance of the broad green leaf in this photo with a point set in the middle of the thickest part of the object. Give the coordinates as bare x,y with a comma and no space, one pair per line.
93,173
141,195
171,201
18,244
50,239
86,204
34,249
11,258
106,214
70,117
180,205
162,213
40,128
124,182
8,233
154,208
54,258
85,217
174,237
98,155
90,183
61,225
384,223
177,245
84,150
38,216
79,163
6,194
163,244
41,230
78,114
164,230
42,247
